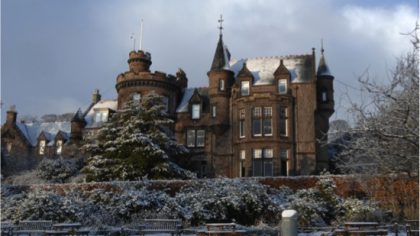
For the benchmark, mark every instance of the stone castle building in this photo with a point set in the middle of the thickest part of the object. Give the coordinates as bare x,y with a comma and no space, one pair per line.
263,116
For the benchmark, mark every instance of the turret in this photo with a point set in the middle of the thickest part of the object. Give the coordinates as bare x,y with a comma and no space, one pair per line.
221,79
77,125
325,108
139,61
324,84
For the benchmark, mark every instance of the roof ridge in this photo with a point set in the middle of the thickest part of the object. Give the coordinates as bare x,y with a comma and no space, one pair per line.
277,57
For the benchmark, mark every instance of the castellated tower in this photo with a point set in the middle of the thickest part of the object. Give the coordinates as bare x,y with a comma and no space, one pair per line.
139,81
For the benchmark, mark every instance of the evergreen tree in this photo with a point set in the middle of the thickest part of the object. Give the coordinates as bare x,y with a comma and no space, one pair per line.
135,143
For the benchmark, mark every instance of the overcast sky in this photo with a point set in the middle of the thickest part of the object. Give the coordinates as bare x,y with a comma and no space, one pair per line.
54,53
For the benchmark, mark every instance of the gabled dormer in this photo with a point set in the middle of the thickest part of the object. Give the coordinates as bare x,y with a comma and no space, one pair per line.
195,105
245,80
282,79
60,139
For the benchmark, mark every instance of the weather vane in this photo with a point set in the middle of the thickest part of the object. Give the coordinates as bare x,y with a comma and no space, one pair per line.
220,22
141,34
322,45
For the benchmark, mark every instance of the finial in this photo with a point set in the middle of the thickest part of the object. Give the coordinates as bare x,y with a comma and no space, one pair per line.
221,22
141,34
322,46
281,61
12,108
134,41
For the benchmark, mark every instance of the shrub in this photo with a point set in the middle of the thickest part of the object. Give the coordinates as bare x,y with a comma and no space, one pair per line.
57,170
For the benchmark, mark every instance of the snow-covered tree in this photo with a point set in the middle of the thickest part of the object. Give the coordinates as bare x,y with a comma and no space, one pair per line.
136,142
385,138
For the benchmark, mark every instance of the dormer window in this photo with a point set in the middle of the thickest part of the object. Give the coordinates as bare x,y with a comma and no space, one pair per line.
42,144
59,146
282,86
195,111
245,88
221,85
101,116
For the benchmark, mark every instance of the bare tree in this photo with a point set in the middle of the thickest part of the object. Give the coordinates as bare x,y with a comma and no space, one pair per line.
385,138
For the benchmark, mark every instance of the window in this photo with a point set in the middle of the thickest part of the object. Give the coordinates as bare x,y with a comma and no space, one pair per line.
213,111
262,162
196,111
324,96
242,123
283,121
256,122
101,116
283,162
196,138
282,86
200,138
165,101
262,122
221,85
245,88
136,98
242,157
190,138
59,146
267,126
42,147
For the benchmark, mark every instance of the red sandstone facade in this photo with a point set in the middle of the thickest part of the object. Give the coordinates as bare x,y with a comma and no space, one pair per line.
257,117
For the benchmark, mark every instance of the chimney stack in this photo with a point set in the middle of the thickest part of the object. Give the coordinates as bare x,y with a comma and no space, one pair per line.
96,97
11,115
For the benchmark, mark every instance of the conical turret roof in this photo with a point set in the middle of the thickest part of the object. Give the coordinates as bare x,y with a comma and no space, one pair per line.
221,56
323,69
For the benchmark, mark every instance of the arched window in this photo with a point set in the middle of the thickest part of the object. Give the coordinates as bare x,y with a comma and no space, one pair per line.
221,85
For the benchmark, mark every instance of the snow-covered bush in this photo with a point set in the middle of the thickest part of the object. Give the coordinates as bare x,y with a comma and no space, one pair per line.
318,206
57,170
360,210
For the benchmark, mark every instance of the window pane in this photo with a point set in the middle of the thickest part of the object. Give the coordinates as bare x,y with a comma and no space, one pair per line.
268,153
257,112
221,85
256,127
268,168
267,127
214,111
283,154
282,86
191,138
42,147
9,147
200,138
257,167
245,88
98,117
242,114
324,96
282,122
241,128
136,97
283,168
59,146
196,111
268,112
257,153
243,155
104,117
165,101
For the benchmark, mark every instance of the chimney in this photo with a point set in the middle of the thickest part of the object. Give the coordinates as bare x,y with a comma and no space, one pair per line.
11,115
96,97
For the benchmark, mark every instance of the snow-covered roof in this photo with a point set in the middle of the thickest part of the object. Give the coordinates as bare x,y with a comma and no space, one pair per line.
111,104
188,93
263,68
50,129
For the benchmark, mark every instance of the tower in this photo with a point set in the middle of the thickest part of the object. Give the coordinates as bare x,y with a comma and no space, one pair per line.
325,108
221,79
77,125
